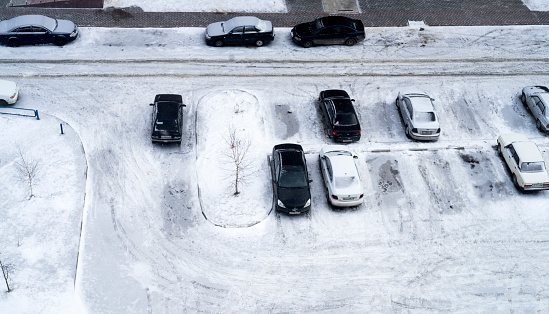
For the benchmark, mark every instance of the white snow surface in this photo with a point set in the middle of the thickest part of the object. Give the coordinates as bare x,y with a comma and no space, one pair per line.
442,227
537,5
272,6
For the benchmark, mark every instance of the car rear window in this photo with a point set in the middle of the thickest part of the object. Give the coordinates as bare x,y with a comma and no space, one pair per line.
538,166
345,119
424,116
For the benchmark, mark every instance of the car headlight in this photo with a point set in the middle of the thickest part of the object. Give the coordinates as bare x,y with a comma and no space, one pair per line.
281,204
208,37
308,203
74,32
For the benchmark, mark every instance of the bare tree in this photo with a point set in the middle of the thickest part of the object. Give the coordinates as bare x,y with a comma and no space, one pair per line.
239,146
28,169
7,269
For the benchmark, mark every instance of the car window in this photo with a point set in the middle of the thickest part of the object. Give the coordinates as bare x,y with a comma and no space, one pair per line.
540,105
250,29
292,177
27,29
238,30
38,29
329,169
345,118
514,154
327,31
408,106
538,166
330,108
346,182
424,117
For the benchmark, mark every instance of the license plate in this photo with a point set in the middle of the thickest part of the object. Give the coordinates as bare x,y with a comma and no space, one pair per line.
537,185
294,213
347,198
426,132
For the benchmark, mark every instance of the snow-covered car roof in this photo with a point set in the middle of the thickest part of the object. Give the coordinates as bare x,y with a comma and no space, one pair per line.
243,21
342,160
528,151
24,20
421,102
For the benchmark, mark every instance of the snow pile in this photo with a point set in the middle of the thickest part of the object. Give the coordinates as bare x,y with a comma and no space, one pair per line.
537,5
219,114
278,6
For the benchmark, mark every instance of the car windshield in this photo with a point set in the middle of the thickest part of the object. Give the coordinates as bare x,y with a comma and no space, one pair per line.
537,166
345,119
316,25
345,182
292,177
424,116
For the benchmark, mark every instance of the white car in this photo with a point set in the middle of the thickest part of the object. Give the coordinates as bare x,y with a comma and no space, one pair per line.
419,116
525,162
340,173
9,92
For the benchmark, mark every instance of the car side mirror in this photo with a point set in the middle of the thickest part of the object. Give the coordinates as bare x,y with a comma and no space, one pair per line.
322,157
310,180
182,105
151,104
355,156
352,99
432,99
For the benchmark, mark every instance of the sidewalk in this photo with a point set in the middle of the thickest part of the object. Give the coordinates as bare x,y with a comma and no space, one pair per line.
372,13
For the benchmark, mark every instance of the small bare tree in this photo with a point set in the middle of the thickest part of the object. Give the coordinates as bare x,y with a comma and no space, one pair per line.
28,169
239,146
7,269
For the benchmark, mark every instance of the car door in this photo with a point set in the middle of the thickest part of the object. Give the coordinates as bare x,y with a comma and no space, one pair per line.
250,34
235,36
25,35
534,108
330,115
542,111
511,157
325,36
408,112
42,35
340,35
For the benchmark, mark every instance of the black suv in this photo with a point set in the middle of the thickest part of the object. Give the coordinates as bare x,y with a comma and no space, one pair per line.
167,118
290,179
339,115
329,30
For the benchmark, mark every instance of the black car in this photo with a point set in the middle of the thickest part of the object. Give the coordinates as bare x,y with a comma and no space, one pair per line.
167,118
329,30
36,29
240,30
290,179
339,115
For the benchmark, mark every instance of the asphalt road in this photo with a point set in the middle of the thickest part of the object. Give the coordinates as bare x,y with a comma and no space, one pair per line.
372,13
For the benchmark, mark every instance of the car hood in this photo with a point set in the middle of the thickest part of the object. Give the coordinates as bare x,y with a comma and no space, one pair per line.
294,197
535,177
215,29
7,88
64,27
303,29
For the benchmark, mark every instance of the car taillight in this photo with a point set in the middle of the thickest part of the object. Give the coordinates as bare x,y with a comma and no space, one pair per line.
335,133
361,195
546,184
359,132
527,185
334,197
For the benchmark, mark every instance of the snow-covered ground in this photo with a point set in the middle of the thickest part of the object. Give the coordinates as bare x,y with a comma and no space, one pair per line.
272,6
442,228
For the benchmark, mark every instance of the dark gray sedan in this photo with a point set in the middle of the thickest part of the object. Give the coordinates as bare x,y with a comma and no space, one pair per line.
36,29
241,30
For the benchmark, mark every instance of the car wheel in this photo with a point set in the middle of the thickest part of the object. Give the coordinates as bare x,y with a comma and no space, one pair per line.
307,44
3,102
407,131
13,42
515,182
259,43
60,41
538,125
219,43
350,42
499,149
523,99
328,197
